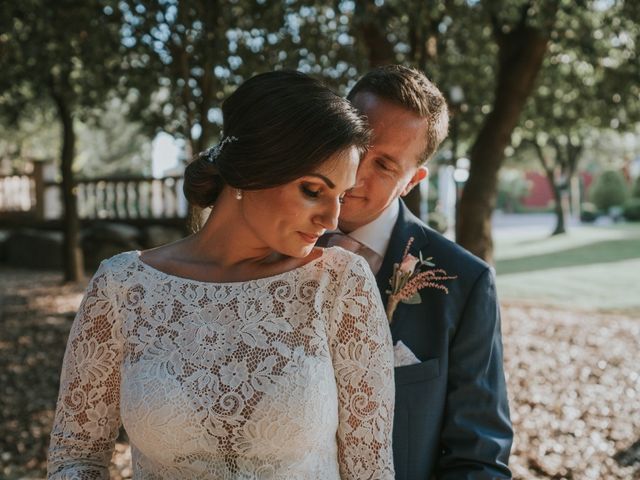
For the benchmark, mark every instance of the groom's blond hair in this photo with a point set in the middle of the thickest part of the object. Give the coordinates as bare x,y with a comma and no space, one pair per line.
410,89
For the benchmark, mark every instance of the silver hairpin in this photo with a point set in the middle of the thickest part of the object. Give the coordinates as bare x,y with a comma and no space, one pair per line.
211,154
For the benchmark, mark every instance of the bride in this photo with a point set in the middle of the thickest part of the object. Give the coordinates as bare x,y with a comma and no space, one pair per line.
242,351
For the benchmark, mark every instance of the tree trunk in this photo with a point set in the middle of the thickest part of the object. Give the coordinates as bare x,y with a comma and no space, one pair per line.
195,219
521,54
72,253
369,21
550,172
559,207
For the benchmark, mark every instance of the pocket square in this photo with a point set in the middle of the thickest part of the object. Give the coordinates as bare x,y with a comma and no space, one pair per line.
403,356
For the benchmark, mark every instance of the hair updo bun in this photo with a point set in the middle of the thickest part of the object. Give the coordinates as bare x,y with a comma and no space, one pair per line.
284,125
202,181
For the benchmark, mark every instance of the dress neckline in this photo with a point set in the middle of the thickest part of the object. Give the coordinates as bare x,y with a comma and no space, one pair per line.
156,271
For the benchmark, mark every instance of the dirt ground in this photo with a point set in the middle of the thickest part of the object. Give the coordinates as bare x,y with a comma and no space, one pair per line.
573,379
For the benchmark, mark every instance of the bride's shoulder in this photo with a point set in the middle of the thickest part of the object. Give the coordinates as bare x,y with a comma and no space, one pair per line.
344,259
121,260
113,267
338,253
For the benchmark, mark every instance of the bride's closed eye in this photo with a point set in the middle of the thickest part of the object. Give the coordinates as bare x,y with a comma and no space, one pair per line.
309,192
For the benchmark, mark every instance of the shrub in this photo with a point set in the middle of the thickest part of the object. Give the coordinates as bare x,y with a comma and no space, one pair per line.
632,210
635,193
588,212
609,190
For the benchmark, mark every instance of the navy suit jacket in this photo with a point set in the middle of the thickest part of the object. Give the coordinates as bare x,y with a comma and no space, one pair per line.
451,416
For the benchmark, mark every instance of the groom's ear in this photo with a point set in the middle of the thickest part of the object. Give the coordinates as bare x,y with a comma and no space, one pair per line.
421,173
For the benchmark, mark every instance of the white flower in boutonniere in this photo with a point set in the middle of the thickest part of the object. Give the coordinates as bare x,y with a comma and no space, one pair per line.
407,280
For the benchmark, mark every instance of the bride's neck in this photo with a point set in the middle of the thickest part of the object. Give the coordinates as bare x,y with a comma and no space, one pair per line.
227,240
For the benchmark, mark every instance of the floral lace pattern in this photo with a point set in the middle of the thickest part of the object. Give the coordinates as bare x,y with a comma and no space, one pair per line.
288,376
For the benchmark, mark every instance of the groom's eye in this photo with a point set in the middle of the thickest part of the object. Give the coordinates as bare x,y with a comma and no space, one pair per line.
382,165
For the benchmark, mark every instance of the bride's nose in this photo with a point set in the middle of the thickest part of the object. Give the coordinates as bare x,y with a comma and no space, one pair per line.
328,216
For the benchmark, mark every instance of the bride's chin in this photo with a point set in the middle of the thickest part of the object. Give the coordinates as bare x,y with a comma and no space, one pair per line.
303,251
295,251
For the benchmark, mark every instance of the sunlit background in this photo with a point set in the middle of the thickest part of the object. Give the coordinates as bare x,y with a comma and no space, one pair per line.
540,169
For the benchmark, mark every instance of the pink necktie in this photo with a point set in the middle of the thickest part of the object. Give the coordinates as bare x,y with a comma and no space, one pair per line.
345,241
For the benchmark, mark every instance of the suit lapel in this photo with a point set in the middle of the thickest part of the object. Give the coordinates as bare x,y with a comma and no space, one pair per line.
406,226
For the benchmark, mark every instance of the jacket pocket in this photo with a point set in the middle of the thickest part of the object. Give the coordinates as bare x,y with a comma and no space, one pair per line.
420,372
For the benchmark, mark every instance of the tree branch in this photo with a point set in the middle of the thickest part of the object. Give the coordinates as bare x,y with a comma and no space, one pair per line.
496,29
543,159
524,14
573,156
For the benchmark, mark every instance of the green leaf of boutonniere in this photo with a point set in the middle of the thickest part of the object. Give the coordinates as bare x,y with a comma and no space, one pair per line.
426,261
413,300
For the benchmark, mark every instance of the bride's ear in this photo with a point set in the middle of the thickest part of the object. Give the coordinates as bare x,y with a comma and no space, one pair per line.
420,174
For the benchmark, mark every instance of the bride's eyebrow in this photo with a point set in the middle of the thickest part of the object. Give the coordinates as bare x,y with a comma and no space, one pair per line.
329,183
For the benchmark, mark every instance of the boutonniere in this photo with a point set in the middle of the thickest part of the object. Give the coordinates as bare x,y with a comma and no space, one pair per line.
409,277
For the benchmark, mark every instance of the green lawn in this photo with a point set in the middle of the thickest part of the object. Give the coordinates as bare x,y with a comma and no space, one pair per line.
589,267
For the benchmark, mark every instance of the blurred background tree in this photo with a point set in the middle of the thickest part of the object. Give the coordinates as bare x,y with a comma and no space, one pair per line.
111,143
494,51
632,205
581,90
512,188
34,134
65,57
184,58
610,190
523,78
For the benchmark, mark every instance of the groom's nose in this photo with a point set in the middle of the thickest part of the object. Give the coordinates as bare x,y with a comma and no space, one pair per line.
359,182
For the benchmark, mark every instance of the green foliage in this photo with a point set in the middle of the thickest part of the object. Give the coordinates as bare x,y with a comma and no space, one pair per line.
186,57
635,192
35,135
586,81
588,212
111,144
585,87
59,63
512,188
609,190
64,50
632,209
64,56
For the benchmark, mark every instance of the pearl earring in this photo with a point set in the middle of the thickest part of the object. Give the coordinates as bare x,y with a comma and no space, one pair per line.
238,194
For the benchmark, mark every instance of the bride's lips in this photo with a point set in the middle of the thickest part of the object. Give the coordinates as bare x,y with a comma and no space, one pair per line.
309,238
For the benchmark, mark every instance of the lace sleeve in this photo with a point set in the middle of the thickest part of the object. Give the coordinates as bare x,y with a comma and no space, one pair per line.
363,362
87,414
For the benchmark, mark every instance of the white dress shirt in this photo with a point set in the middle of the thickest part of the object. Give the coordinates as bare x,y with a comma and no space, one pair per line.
377,234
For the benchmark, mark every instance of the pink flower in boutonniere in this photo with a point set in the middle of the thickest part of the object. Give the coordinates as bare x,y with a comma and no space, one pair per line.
407,280
408,264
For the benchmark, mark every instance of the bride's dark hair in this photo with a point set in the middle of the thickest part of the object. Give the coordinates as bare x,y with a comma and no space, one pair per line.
285,125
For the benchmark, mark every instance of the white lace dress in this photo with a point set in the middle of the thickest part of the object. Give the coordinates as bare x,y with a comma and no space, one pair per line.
286,377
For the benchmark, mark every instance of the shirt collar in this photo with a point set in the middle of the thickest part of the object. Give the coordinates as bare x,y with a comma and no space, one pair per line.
377,234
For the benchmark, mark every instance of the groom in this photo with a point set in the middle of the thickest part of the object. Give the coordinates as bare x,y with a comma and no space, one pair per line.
451,416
